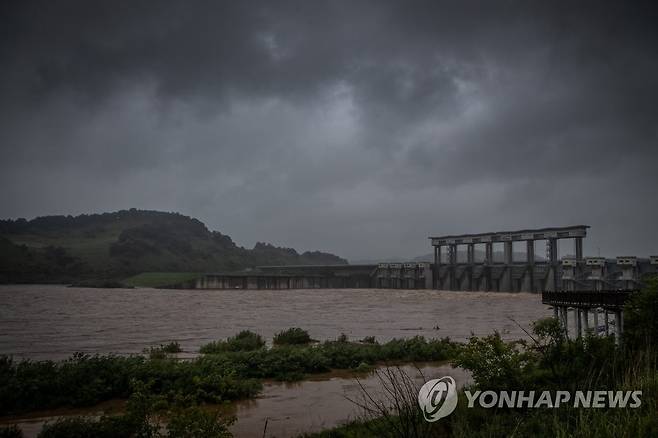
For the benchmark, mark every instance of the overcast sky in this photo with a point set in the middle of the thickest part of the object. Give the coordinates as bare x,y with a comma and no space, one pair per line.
358,128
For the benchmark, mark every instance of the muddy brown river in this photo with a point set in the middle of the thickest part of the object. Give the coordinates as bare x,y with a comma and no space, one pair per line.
53,322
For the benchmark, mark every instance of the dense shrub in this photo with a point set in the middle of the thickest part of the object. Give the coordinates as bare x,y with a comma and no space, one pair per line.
143,418
292,336
244,341
163,350
193,423
231,372
86,380
641,317
290,362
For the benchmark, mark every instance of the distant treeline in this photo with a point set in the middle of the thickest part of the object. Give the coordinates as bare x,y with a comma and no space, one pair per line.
120,244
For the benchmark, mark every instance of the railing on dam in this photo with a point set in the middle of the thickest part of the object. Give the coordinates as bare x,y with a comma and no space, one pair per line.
608,299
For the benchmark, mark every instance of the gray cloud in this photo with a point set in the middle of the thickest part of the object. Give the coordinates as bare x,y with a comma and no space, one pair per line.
354,127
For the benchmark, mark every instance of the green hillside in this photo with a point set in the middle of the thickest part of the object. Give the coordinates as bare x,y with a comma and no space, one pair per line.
126,243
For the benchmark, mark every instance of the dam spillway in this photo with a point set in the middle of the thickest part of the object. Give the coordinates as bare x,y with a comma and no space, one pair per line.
466,262
532,273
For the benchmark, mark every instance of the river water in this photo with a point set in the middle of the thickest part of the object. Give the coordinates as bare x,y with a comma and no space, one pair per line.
52,322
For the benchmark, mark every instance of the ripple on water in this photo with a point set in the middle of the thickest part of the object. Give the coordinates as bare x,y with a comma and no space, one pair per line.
52,322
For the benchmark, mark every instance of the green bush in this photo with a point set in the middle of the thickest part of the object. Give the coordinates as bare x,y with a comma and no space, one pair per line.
244,341
144,414
172,347
193,422
225,375
87,380
163,350
292,336
641,317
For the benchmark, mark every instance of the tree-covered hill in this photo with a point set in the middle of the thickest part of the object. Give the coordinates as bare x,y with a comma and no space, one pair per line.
127,242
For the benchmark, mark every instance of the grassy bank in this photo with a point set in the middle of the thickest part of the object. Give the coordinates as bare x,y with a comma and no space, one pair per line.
232,369
160,279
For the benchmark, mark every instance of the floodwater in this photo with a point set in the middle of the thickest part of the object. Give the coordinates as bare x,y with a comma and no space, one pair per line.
53,322
288,409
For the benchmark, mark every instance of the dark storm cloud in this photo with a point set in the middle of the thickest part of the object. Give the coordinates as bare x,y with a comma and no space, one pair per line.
356,127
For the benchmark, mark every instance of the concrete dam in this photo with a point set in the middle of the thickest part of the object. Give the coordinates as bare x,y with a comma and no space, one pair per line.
468,262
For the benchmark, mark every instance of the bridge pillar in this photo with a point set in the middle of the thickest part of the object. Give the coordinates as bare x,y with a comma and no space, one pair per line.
618,326
621,320
607,323
452,257
596,321
470,256
553,260
529,283
437,263
579,248
586,319
579,322
488,260
565,320
507,275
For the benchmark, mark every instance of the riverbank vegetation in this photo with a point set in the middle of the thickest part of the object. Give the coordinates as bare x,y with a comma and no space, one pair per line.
547,361
244,341
146,416
160,279
292,336
231,369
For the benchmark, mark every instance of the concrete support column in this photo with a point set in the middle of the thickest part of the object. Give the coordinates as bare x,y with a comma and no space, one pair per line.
435,271
578,241
508,252
507,275
452,257
552,246
488,260
530,260
607,323
618,326
470,259
470,253
565,317
596,322
579,322
565,320
439,251
621,321
555,312
586,319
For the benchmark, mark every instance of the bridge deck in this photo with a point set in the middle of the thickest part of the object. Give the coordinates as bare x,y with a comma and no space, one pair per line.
609,299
